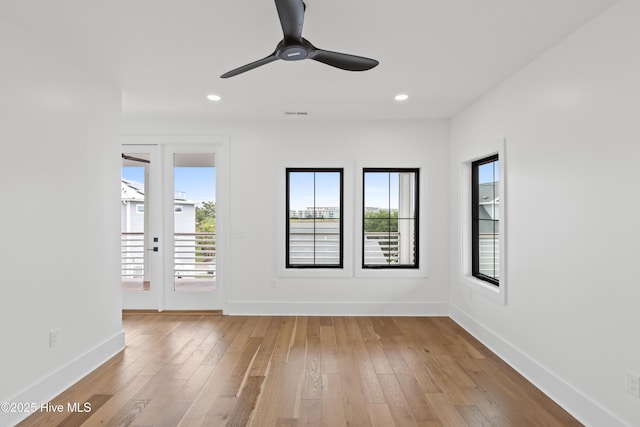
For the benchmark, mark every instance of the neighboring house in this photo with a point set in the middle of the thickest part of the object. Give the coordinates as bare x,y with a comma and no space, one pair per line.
132,209
328,212
132,221
489,204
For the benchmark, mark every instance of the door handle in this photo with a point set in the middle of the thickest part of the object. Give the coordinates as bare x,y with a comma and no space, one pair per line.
155,248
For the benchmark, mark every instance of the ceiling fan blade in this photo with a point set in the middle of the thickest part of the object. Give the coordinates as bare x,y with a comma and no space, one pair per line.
343,60
250,66
291,13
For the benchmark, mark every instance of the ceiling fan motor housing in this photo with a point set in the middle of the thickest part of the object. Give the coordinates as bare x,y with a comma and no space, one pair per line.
292,52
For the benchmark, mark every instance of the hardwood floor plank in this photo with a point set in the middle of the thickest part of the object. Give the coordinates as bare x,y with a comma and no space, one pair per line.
263,358
120,405
396,400
473,416
371,388
246,403
128,413
332,408
380,415
241,368
197,370
77,418
266,411
353,400
210,392
310,413
445,409
328,350
312,386
292,384
283,341
239,340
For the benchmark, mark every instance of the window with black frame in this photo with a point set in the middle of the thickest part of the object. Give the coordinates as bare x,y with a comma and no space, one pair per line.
390,218
314,228
485,218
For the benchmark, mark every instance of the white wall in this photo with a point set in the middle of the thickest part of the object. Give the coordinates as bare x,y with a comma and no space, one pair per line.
570,119
59,257
258,153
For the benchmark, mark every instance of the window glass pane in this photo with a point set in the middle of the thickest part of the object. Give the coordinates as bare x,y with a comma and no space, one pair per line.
327,193
405,241
194,222
327,242
301,194
314,225
376,196
301,241
394,191
485,225
389,226
135,272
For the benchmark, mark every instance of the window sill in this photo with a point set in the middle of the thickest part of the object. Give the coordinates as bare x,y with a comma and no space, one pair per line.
481,287
314,272
391,272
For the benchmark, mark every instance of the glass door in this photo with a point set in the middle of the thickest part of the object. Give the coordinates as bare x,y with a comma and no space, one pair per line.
140,227
169,256
191,263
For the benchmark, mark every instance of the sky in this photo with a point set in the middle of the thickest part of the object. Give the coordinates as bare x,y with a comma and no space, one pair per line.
488,172
381,188
199,183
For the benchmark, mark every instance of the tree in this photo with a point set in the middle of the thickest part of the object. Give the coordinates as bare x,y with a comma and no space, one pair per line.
206,217
380,221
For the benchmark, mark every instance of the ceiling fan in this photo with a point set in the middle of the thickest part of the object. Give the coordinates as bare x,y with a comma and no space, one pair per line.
294,47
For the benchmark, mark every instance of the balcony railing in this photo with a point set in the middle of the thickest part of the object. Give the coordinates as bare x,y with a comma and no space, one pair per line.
322,247
307,247
489,255
132,255
381,248
194,255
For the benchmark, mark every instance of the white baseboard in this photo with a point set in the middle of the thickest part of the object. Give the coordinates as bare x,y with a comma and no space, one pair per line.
276,308
60,380
582,407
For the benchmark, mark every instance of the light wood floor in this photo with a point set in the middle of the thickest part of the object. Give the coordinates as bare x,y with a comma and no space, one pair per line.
182,370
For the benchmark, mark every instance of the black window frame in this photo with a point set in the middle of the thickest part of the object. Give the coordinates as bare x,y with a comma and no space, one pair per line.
475,219
290,265
416,219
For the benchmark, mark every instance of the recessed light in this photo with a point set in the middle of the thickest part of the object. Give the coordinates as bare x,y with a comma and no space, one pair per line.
401,97
213,97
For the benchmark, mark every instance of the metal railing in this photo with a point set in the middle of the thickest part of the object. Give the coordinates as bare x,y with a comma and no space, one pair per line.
322,247
132,255
194,255
489,262
381,247
308,247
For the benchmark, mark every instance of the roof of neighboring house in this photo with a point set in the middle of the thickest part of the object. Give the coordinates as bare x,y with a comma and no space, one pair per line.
488,193
133,190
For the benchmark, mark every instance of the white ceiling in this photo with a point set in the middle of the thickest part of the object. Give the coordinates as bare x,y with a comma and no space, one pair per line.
166,55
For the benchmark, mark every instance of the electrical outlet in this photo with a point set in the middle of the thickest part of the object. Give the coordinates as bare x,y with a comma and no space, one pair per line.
54,337
633,383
